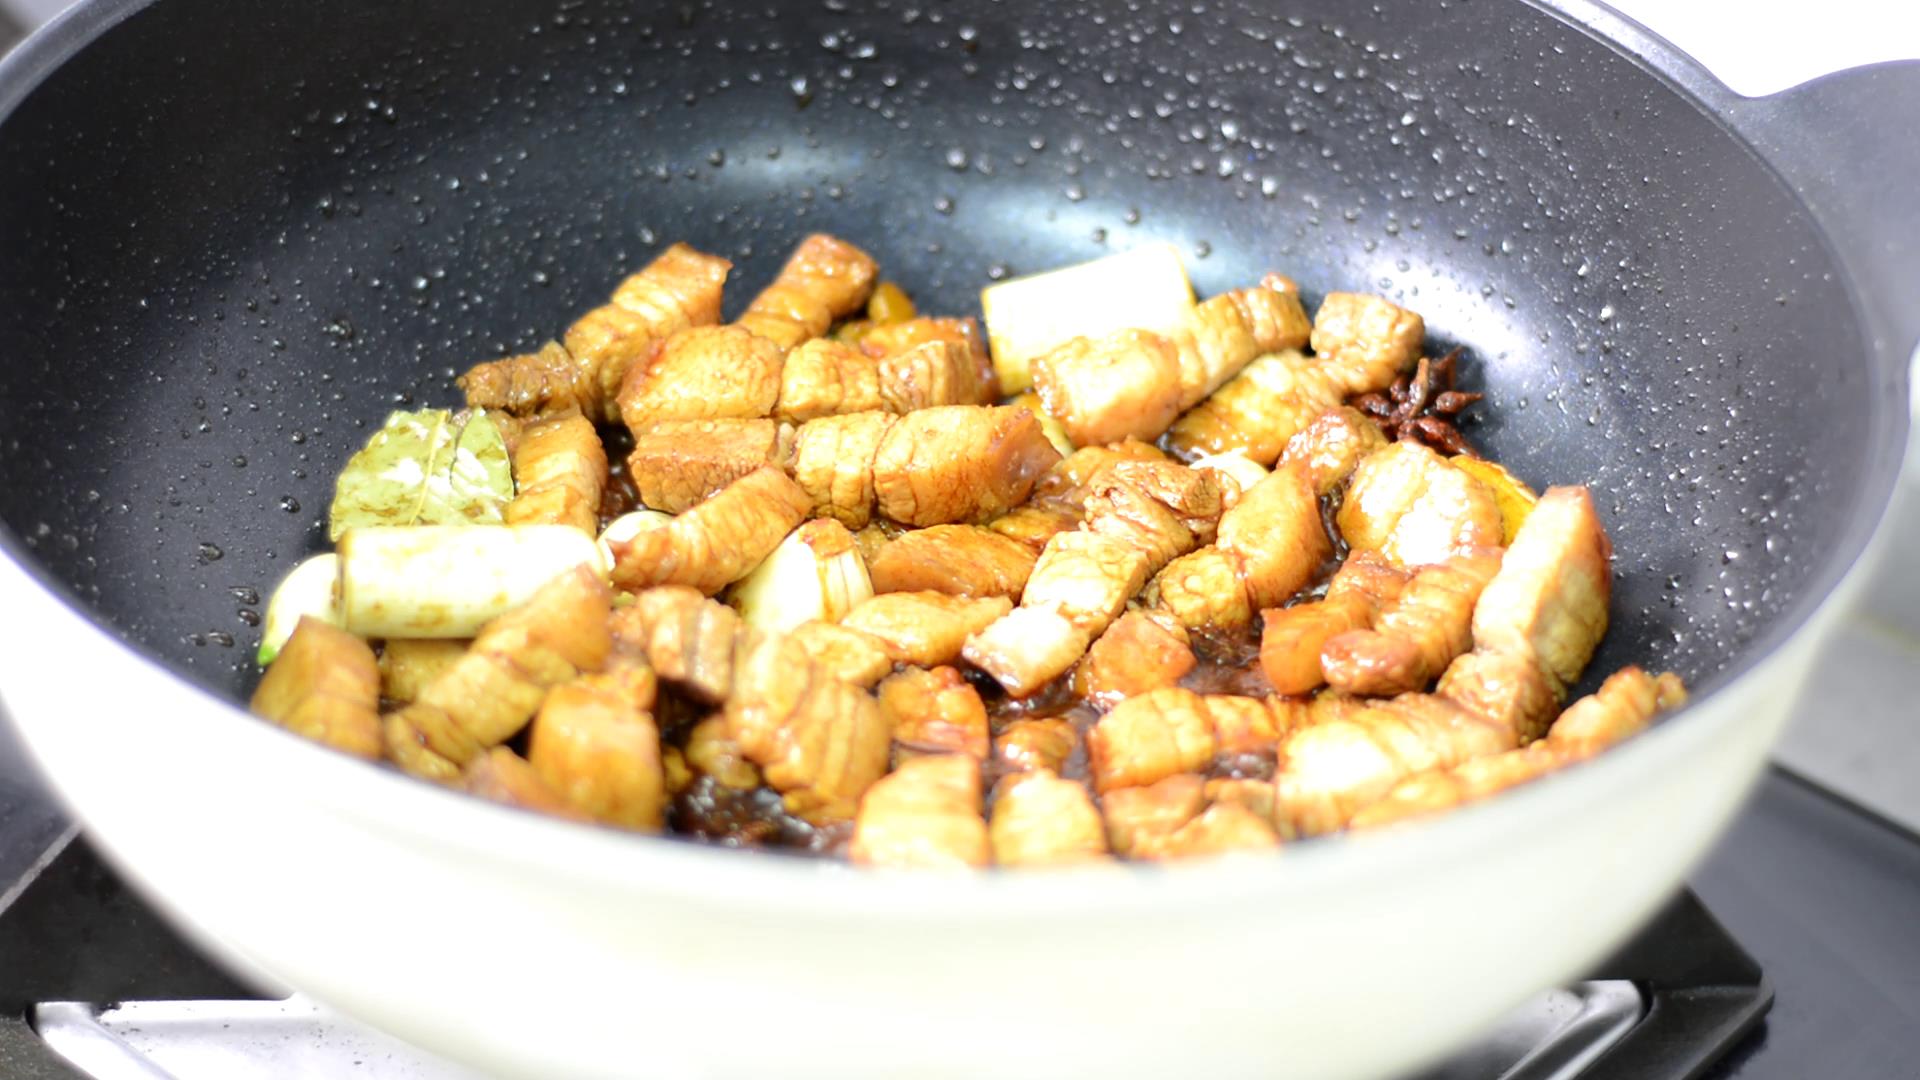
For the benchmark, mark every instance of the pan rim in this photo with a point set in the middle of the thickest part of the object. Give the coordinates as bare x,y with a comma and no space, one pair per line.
555,843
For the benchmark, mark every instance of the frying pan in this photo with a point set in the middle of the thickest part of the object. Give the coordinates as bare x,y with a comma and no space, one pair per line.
236,234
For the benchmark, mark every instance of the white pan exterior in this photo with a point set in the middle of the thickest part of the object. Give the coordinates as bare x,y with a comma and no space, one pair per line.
537,948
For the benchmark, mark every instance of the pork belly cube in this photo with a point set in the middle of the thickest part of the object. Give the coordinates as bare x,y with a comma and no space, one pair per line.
959,463
925,629
926,813
704,373
1549,600
1102,390
678,464
1141,651
1041,820
686,638
1332,446
502,776
1275,534
1258,410
1219,829
851,655
934,712
1242,725
824,377
1149,738
1087,578
929,374
717,542
1045,743
601,755
324,685
1408,504
824,279
1140,818
1254,796
559,473
1027,648
963,560
1370,340
820,742
833,464
1225,333
1202,589
1034,524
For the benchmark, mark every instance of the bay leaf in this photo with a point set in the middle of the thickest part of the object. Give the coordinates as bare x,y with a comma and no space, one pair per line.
425,468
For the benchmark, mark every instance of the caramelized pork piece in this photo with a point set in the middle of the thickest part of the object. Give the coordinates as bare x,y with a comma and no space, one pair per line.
959,463
324,685
1138,515
704,373
1549,601
1275,537
1149,738
824,279
1218,830
1291,644
1244,726
1332,446
930,374
1032,525
1080,583
824,377
926,813
1257,411
1623,706
678,289
559,474
964,560
491,693
711,751
925,629
1504,689
1102,390
502,776
1362,344
1418,634
852,656
1141,651
1134,383
1139,819
1368,341
934,712
820,742
1408,504
407,665
1027,647
678,464
1045,743
1040,819
718,541
1330,771
1254,796
1202,588
601,755
892,339
1161,508
833,464
687,639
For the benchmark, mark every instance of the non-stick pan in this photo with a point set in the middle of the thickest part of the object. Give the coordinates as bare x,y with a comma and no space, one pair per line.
232,235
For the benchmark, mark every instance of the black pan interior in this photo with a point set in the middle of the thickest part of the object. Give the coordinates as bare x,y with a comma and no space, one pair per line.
232,235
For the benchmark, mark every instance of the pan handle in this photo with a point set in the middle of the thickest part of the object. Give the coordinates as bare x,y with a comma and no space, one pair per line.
1844,142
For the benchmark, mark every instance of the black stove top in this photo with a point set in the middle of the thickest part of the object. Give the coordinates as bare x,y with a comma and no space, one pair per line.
1807,966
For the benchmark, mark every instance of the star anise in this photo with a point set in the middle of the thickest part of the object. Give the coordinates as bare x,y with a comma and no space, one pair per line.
1423,407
